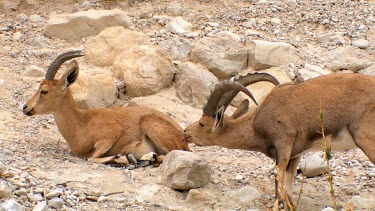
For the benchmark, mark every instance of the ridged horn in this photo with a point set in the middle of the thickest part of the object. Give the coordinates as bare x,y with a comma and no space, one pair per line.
216,95
55,65
246,80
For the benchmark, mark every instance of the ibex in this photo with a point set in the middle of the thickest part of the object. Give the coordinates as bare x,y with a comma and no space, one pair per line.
103,132
286,124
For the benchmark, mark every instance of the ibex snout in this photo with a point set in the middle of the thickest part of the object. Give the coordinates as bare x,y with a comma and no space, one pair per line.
26,110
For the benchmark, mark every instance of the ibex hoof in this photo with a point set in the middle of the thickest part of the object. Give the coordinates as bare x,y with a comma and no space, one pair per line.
131,158
149,157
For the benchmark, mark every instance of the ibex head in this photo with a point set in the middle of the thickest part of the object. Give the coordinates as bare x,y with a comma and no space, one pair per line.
51,91
211,125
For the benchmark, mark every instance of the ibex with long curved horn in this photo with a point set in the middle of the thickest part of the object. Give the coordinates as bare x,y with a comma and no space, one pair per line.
103,132
286,125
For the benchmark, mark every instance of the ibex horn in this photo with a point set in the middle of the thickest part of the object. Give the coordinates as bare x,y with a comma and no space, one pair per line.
217,94
55,65
246,80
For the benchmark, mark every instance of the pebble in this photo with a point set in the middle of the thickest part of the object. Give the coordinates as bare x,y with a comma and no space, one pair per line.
53,194
36,18
361,43
56,203
17,36
102,199
35,197
21,192
41,206
22,18
12,205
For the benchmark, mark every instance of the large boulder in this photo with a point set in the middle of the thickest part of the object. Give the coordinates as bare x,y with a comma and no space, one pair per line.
144,69
359,203
312,71
193,83
345,58
94,89
244,195
178,48
183,170
9,5
261,89
264,54
369,70
73,27
167,102
223,55
102,50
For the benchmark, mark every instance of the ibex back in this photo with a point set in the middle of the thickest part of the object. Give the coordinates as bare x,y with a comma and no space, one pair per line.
102,132
286,124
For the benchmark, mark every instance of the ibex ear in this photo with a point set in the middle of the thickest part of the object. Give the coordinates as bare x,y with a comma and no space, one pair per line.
70,75
241,109
219,118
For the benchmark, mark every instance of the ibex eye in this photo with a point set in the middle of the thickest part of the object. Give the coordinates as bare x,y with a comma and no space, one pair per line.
44,92
201,125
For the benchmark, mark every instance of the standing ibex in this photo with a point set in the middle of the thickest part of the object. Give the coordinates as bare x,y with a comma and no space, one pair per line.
103,132
286,125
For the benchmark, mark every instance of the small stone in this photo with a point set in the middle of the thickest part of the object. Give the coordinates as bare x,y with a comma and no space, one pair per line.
35,197
178,26
85,5
21,192
53,194
323,38
5,191
56,203
337,39
61,181
275,21
34,71
92,198
41,206
22,18
361,43
70,202
239,177
92,193
102,199
36,18
12,205
251,33
39,190
121,199
17,36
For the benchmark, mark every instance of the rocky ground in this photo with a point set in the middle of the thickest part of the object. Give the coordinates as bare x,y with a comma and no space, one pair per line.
37,169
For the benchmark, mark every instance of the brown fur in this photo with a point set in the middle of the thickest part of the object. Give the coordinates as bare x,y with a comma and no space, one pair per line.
286,124
103,132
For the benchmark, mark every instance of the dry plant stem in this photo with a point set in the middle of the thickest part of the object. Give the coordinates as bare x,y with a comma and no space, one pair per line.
327,156
283,192
300,191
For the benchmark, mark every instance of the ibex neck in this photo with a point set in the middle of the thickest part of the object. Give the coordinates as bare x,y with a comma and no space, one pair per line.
241,135
68,117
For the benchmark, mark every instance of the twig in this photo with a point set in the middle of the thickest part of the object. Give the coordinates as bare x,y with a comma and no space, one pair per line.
327,156
283,192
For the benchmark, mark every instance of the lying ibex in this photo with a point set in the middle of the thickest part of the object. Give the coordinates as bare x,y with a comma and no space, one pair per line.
286,125
102,132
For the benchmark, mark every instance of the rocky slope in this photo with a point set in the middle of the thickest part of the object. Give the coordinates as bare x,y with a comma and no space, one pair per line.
208,40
